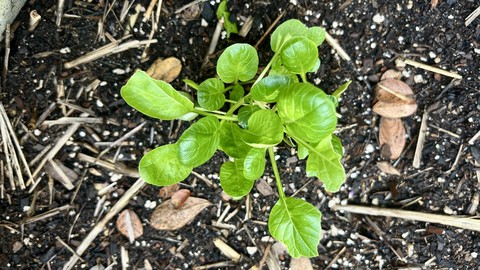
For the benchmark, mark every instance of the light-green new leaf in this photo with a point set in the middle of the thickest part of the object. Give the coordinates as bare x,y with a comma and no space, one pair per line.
296,223
286,31
264,129
210,94
232,179
306,112
325,164
199,142
155,98
239,62
268,88
254,163
299,55
161,166
316,34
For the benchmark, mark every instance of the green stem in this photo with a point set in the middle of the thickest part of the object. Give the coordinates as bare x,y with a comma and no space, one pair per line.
264,71
304,77
271,154
307,145
219,116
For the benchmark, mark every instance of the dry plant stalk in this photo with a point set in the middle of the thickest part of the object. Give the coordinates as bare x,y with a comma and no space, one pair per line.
462,223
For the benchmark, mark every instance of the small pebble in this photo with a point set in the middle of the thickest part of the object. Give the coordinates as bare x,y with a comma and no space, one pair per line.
252,250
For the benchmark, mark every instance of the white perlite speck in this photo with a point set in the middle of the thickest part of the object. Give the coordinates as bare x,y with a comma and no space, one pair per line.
378,18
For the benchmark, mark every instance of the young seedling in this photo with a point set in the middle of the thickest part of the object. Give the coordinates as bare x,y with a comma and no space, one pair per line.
246,117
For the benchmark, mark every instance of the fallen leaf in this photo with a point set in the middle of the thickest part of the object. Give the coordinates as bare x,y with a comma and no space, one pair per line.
391,137
391,74
301,263
167,191
387,168
394,99
179,197
166,217
165,69
129,224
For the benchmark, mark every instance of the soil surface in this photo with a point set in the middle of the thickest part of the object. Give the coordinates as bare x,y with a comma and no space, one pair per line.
376,34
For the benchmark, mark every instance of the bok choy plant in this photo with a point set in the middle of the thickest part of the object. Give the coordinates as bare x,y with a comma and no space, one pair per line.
246,116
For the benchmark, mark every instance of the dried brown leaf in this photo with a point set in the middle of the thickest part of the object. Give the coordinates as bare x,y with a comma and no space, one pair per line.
391,137
301,263
394,99
391,74
165,69
166,217
129,224
387,168
179,197
167,191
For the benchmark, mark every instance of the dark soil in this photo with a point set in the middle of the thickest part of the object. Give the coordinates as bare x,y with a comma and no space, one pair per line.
411,29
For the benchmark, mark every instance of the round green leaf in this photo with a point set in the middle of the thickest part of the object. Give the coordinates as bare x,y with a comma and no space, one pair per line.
268,88
161,166
299,55
285,31
254,163
231,141
199,142
296,223
232,180
316,34
264,129
244,114
155,98
210,94
237,92
239,62
306,112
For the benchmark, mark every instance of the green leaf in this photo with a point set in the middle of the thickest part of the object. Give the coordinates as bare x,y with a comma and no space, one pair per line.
191,83
285,31
316,34
238,62
231,141
229,26
306,112
264,129
210,94
316,66
302,151
254,163
199,142
299,55
244,114
337,145
296,223
237,92
325,164
268,88
232,180
342,88
161,166
154,98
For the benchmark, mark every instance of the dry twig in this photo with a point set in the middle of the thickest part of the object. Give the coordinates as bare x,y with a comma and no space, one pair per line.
417,159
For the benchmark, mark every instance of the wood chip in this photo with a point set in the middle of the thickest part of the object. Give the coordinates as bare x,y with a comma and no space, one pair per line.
129,225
387,168
227,250
166,217
165,69
391,137
264,188
301,263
